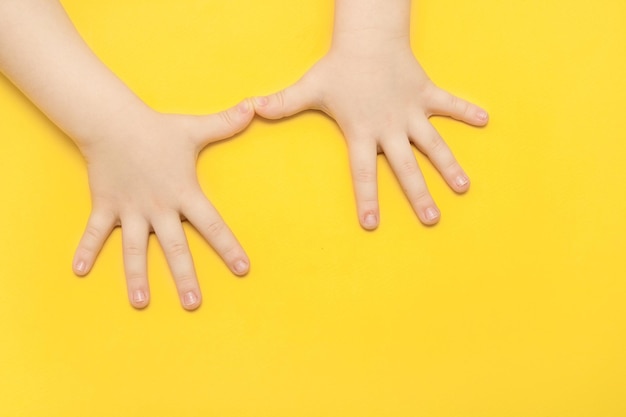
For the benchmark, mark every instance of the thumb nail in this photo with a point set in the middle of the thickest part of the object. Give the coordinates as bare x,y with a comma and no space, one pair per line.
261,101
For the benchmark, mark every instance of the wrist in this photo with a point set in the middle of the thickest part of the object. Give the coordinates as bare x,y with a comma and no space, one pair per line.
370,43
117,124
364,26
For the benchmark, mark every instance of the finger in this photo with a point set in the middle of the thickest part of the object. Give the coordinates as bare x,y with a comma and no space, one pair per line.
172,238
443,103
427,140
402,161
135,246
222,125
294,99
364,179
204,217
98,229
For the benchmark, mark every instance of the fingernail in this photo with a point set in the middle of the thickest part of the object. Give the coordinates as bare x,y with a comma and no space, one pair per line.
431,214
370,221
461,181
190,299
243,107
482,116
261,101
139,296
240,267
81,267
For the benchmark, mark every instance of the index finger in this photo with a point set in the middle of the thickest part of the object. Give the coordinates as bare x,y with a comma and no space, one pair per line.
363,168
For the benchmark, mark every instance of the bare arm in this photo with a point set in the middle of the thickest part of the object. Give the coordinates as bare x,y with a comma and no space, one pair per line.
43,54
141,163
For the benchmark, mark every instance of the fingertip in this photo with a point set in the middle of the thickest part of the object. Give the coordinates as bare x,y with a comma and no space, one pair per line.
369,220
191,300
430,216
217,126
264,106
482,117
461,183
80,266
244,107
241,267
243,114
83,261
287,102
139,299
260,102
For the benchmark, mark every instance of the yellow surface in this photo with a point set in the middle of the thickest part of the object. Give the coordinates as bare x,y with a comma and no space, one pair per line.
513,306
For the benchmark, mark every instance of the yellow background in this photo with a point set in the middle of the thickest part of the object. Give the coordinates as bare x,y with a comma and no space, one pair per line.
514,305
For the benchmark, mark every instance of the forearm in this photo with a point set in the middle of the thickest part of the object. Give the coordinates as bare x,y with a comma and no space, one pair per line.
43,54
368,23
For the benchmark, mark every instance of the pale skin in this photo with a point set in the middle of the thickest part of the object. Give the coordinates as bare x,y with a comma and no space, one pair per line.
141,163
372,85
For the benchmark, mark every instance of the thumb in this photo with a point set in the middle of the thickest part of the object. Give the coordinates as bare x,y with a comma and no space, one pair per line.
222,125
294,99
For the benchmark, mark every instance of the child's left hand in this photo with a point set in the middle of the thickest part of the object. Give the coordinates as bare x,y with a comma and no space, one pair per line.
143,178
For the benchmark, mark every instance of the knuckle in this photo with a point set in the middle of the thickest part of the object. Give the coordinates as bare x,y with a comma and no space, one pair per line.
231,252
420,196
368,203
227,118
135,277
453,102
177,248
436,144
93,233
186,282
133,250
280,97
460,106
215,228
451,165
407,168
364,175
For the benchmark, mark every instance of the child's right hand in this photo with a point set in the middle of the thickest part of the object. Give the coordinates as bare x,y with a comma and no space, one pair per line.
143,178
382,99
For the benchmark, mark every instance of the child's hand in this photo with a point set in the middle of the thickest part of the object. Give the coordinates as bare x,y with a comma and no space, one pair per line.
142,164
381,98
144,179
